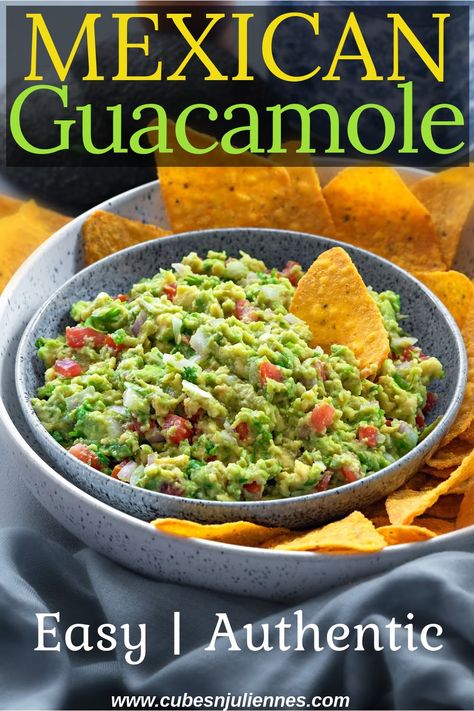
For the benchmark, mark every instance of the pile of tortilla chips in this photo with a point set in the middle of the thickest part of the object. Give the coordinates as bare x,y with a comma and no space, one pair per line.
23,227
419,228
426,507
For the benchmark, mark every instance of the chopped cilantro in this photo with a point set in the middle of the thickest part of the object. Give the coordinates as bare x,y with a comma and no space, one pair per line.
190,374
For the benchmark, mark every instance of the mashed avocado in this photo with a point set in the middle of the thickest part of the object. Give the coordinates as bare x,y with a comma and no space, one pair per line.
200,383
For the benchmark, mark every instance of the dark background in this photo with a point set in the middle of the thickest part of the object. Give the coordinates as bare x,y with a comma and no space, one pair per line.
297,50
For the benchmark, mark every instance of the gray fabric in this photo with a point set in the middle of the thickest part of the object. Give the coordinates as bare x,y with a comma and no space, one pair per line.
39,575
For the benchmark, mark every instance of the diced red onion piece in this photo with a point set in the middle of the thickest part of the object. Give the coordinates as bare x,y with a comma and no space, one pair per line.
199,342
139,321
292,319
178,267
154,435
126,471
114,428
76,400
119,409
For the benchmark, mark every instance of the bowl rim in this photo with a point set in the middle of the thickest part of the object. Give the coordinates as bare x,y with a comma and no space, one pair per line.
422,447
121,517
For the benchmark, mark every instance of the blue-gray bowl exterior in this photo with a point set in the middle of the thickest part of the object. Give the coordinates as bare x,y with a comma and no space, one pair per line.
427,319
131,542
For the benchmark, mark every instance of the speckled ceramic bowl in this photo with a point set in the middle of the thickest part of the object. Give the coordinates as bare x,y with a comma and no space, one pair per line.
124,538
428,320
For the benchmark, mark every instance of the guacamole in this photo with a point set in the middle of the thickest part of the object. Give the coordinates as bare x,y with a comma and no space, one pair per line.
199,382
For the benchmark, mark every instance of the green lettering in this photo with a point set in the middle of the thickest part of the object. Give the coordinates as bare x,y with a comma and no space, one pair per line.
305,117
251,128
181,134
407,89
15,120
353,129
159,127
116,145
428,122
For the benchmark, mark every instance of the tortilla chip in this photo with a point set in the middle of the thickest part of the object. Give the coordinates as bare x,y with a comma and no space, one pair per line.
438,473
8,205
377,508
221,194
240,533
453,288
209,198
50,221
376,513
394,535
444,474
355,534
304,208
465,516
446,507
374,209
465,416
421,480
404,505
335,303
105,233
449,198
468,435
21,233
438,526
451,455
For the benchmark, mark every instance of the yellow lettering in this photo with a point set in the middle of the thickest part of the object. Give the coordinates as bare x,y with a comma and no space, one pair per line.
267,45
400,26
364,55
195,44
39,28
124,45
243,34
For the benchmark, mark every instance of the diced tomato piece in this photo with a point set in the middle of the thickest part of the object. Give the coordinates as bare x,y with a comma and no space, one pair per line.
172,488
244,311
368,434
420,420
134,426
182,429
431,400
85,455
197,416
348,474
324,483
243,430
109,341
121,297
80,336
292,272
68,368
195,420
170,290
253,487
407,353
322,417
269,371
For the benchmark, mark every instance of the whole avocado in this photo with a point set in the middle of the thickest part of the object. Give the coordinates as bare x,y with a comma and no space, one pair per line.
74,181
